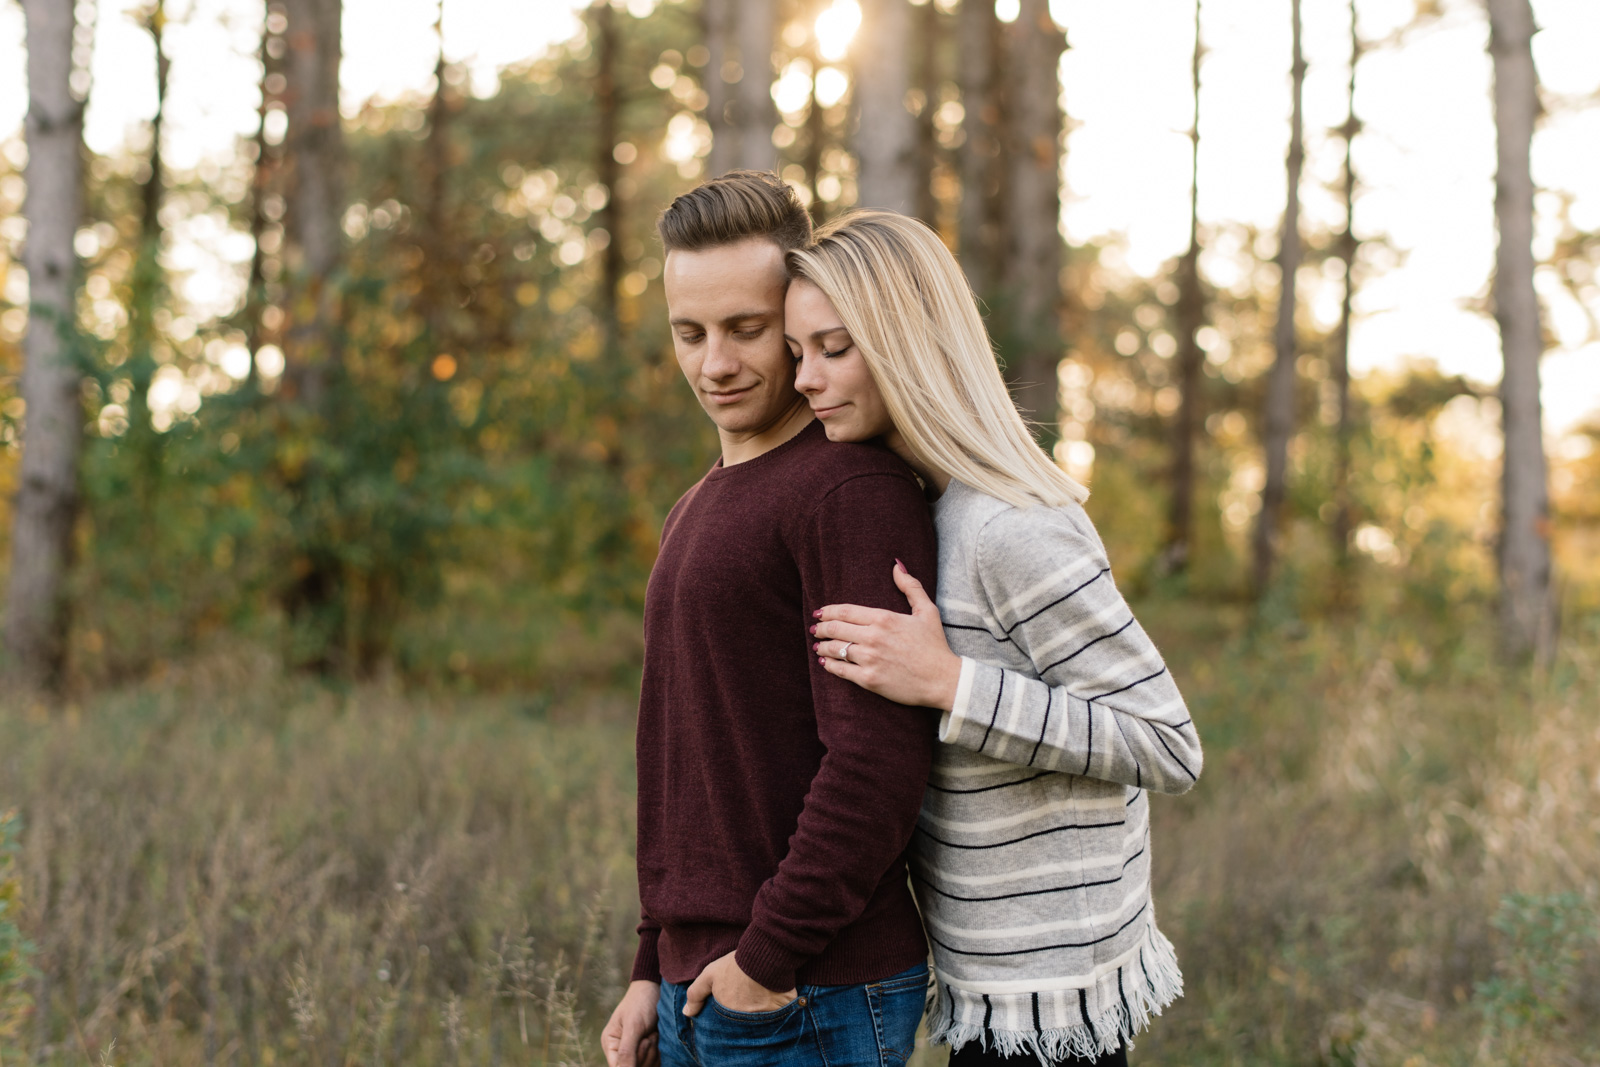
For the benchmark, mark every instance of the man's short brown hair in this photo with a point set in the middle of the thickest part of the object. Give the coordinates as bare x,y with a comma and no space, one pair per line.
736,206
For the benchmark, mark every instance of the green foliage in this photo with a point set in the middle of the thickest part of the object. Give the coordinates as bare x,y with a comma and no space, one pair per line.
1545,939
16,969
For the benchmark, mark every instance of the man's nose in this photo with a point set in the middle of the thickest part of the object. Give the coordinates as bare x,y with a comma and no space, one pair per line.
721,358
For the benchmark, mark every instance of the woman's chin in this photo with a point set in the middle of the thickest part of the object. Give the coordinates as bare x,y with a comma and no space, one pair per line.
841,434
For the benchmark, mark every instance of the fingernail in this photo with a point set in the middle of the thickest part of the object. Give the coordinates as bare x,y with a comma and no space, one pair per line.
817,614
813,631
816,648
897,563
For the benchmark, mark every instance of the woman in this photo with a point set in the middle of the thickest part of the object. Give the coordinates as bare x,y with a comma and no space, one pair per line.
1031,859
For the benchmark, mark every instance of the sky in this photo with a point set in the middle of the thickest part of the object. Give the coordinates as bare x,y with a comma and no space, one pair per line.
1425,156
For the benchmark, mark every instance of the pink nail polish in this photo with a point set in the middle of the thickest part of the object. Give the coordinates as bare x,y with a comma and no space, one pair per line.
897,563
817,614
813,631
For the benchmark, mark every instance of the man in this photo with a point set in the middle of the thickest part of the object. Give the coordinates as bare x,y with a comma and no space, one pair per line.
775,800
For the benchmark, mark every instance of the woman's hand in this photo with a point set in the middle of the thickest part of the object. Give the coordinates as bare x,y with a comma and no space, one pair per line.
902,657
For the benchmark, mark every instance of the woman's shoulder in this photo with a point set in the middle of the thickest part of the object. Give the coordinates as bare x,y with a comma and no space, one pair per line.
994,523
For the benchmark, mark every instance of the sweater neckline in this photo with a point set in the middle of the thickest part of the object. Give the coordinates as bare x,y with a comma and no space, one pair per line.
718,471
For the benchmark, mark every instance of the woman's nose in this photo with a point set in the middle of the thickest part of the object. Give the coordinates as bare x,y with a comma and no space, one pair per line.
806,378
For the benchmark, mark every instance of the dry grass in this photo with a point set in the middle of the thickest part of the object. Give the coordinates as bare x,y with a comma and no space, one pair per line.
225,866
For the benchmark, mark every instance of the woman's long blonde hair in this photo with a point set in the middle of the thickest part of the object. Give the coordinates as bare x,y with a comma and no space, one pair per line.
910,311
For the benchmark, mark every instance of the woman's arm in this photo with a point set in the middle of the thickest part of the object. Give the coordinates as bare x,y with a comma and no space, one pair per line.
1106,708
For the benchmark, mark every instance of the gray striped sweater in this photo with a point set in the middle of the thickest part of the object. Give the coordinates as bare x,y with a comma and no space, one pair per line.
1031,860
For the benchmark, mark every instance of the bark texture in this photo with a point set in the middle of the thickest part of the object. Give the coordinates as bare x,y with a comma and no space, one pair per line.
47,495
886,131
982,212
1527,609
1189,317
1348,246
717,20
1033,191
755,114
1278,417
315,194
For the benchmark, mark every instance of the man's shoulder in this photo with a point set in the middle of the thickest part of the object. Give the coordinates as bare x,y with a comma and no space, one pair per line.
823,465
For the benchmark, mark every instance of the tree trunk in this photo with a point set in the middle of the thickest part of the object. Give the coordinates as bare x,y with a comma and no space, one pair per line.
1527,609
147,282
609,218
754,112
1348,247
1278,417
1190,316
439,273
982,213
717,19
929,28
1033,258
47,494
816,140
886,132
315,195
261,179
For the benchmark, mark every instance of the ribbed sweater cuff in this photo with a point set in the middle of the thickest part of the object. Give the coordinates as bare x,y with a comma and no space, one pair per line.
950,721
646,962
768,962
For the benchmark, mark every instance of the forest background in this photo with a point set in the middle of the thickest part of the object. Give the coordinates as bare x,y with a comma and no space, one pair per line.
338,417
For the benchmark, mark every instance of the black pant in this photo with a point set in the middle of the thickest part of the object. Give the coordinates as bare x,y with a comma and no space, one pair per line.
973,1054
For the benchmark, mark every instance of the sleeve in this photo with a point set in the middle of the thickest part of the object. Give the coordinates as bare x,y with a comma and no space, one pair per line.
646,961
863,802
1104,705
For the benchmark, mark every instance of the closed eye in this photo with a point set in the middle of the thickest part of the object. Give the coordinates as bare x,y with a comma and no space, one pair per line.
829,355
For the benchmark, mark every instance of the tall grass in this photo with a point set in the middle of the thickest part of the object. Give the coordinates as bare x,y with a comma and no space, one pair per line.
1391,859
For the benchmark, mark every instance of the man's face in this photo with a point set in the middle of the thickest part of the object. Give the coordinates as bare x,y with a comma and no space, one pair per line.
726,309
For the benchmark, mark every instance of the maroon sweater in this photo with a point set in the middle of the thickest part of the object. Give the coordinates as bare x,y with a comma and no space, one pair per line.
775,800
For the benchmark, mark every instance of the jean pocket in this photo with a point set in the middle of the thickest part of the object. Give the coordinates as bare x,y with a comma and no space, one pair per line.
775,1015
897,1005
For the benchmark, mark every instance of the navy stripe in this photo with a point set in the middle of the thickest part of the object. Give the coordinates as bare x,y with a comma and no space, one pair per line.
1036,1026
1025,837
987,788
1089,753
1059,600
1174,756
1044,948
980,630
1127,1013
1031,892
1130,685
988,1011
1091,644
998,691
1049,699
1083,1007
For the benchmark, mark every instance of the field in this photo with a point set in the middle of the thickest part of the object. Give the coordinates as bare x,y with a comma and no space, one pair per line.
1390,860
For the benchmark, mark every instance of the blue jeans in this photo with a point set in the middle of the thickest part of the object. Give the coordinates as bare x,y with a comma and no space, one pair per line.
871,1025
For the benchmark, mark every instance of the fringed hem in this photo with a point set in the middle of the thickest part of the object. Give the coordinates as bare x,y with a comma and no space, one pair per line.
1119,1006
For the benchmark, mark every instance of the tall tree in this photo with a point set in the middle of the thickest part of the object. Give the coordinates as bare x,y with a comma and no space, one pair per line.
886,132
315,194
148,276
605,161
1348,246
1278,416
1190,315
1527,609
47,494
929,31
982,212
1033,249
717,20
755,114
265,167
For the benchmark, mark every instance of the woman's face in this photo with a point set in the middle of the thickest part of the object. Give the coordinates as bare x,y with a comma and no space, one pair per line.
830,370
